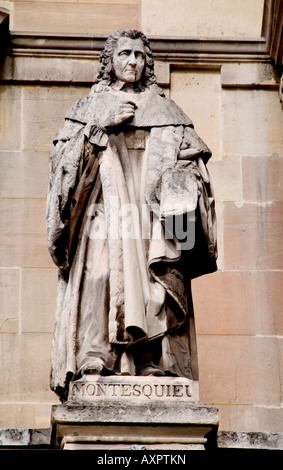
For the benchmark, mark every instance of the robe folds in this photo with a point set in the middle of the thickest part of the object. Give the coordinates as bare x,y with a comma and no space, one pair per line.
116,205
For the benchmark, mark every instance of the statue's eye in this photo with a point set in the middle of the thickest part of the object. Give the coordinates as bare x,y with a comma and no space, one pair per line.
139,56
124,53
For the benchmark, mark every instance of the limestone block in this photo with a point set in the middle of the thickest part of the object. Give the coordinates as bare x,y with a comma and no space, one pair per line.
253,236
226,179
44,110
26,360
16,436
249,440
201,18
251,418
162,72
59,17
13,416
128,421
219,225
198,93
239,303
9,437
240,370
24,174
44,69
42,418
10,325
10,117
9,296
262,178
23,239
252,122
248,74
38,300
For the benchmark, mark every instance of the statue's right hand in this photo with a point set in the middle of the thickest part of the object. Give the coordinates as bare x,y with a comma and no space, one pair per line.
118,114
110,116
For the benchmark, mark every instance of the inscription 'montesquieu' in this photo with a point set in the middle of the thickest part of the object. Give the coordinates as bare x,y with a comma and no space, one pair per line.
93,390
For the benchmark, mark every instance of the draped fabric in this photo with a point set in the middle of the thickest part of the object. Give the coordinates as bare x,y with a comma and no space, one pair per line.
124,273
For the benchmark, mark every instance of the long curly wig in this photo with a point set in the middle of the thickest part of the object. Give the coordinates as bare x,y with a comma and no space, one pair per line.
106,74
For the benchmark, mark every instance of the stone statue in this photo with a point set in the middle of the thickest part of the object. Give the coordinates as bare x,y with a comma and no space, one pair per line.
131,220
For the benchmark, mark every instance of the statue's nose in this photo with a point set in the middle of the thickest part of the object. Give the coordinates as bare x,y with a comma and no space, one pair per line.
133,60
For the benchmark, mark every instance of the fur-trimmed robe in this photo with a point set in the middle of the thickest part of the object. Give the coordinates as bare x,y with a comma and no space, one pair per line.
126,287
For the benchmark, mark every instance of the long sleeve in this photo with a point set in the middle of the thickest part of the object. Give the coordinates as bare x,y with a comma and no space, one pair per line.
193,147
64,165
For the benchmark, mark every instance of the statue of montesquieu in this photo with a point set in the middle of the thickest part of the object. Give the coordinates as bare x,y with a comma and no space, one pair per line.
131,220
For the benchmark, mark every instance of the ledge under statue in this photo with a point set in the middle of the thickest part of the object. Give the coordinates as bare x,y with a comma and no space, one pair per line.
131,221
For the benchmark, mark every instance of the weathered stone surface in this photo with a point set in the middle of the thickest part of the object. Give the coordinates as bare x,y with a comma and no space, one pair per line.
24,174
200,18
48,69
249,440
16,415
115,298
194,91
45,110
38,300
162,72
42,413
14,437
246,129
262,178
23,233
125,412
39,437
133,422
219,217
30,438
241,370
57,17
249,418
248,75
92,389
252,236
248,303
28,357
9,295
24,437
10,118
226,177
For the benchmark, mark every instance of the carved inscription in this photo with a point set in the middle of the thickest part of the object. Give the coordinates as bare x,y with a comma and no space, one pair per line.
88,391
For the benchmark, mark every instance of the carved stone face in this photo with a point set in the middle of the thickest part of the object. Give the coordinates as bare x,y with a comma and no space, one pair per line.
129,59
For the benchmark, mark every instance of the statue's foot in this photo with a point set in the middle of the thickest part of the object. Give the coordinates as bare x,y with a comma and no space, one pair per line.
149,369
93,368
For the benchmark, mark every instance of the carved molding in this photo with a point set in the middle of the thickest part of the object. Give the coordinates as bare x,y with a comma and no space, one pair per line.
171,48
173,52
272,30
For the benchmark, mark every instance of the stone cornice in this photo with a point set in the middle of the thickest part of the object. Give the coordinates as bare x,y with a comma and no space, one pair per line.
170,47
33,57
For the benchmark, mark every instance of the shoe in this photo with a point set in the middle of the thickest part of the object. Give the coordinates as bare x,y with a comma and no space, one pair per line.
94,368
149,369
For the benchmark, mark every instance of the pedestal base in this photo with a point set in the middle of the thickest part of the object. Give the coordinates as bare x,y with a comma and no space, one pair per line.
126,412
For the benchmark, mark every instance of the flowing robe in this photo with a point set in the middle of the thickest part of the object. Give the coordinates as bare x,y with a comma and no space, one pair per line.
124,274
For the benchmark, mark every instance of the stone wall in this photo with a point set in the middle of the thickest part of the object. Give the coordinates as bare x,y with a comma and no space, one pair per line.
229,89
157,17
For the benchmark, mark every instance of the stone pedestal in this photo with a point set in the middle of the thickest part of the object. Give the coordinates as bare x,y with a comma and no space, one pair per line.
124,412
